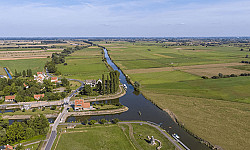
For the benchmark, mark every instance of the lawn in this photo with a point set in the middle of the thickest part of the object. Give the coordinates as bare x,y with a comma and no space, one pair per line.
141,132
29,112
95,138
84,64
23,64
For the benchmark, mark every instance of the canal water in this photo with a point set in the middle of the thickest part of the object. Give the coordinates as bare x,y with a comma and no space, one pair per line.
149,112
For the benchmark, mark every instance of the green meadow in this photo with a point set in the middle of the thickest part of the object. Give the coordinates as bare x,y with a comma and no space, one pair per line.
24,64
84,64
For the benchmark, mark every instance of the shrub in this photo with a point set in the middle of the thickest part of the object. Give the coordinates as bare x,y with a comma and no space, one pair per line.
43,108
34,109
215,77
53,107
115,120
103,121
204,77
91,122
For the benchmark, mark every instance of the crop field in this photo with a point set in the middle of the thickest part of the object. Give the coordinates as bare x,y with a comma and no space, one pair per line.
84,64
24,64
215,109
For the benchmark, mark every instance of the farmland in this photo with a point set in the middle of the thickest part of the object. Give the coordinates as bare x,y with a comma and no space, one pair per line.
84,64
170,76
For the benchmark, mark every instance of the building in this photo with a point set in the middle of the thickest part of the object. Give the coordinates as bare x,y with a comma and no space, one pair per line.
10,98
38,96
81,105
92,83
6,147
54,79
39,77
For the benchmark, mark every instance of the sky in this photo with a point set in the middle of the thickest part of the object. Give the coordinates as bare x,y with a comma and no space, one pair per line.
124,18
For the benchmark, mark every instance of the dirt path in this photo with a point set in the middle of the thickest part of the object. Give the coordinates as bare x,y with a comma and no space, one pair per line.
131,135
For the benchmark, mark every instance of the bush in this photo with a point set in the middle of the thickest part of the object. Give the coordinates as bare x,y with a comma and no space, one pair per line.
215,77
53,107
233,75
23,110
34,109
115,120
43,108
91,122
85,121
65,64
103,121
204,77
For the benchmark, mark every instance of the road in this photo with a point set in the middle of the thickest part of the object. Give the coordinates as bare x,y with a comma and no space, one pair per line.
53,133
159,129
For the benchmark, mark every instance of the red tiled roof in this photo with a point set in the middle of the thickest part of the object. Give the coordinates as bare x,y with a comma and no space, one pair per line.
10,97
53,78
81,103
8,147
38,96
39,73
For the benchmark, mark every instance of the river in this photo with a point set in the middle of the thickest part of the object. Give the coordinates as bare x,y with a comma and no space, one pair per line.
149,112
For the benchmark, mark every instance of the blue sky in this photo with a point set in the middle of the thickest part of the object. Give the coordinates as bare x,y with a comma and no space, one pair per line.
124,18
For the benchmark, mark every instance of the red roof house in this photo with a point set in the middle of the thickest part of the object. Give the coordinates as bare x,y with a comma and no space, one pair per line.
10,98
54,79
81,105
39,73
38,96
8,147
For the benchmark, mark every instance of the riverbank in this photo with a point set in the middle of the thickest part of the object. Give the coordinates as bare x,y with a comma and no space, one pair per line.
101,112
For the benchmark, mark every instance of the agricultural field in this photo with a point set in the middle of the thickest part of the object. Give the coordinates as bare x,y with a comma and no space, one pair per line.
216,110
24,64
84,64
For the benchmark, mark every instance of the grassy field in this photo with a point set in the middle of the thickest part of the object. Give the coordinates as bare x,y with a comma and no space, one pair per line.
29,112
96,138
24,64
217,110
84,64
140,133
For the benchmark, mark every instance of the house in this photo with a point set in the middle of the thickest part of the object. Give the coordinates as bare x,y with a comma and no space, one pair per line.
92,83
40,77
54,79
10,98
26,86
6,147
37,97
81,105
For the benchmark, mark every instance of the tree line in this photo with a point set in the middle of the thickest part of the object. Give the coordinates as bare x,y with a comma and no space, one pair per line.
24,73
10,134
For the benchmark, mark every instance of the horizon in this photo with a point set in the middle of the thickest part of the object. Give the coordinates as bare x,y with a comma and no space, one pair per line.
132,18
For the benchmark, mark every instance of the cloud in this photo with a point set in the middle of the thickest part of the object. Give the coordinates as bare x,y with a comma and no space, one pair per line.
126,18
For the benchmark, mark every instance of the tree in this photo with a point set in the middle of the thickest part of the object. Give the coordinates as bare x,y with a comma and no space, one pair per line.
220,75
103,85
85,121
108,85
137,86
87,89
65,82
91,122
115,120
24,73
103,121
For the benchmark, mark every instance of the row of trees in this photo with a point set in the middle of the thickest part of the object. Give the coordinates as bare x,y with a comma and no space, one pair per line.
24,73
9,134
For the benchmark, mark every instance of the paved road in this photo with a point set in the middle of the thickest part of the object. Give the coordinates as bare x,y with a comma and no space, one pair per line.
159,129
60,116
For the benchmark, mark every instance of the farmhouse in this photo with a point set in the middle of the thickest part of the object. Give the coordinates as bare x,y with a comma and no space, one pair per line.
81,105
40,77
10,98
37,97
92,83
54,79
